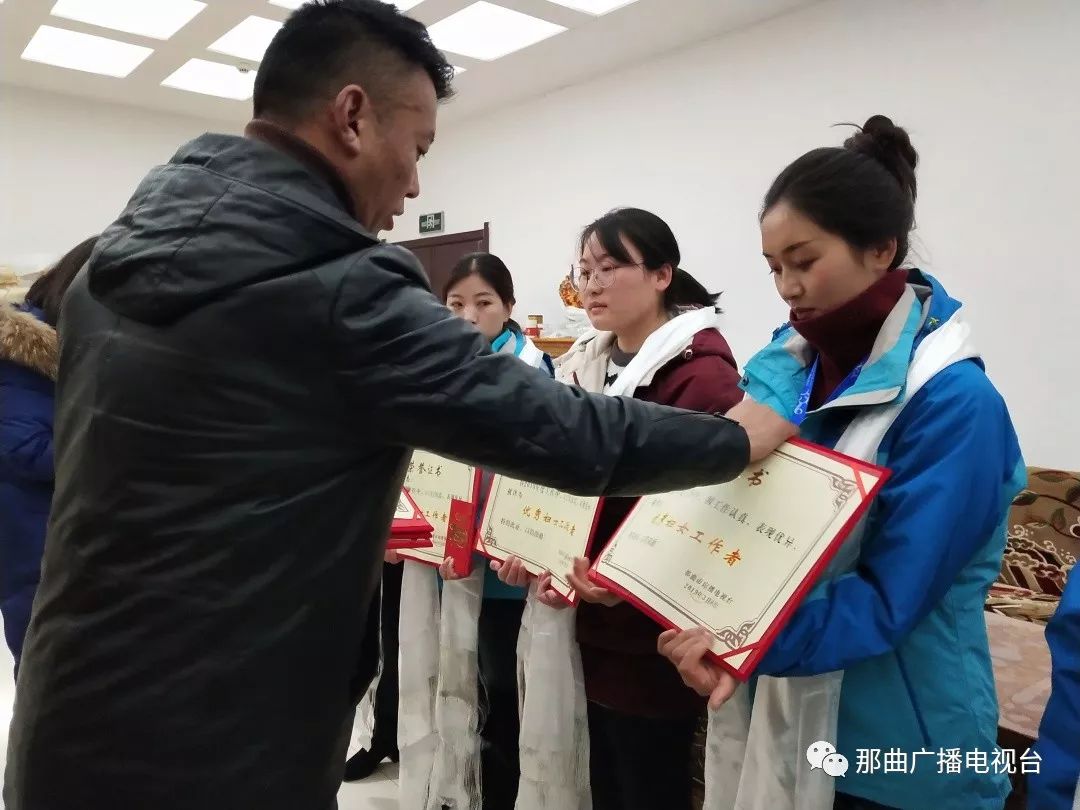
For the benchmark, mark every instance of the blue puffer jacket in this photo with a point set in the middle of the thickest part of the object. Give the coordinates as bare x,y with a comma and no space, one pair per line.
1055,786
28,353
907,626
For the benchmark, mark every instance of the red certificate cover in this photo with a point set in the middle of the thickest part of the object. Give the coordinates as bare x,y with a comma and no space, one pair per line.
410,529
740,557
435,485
459,536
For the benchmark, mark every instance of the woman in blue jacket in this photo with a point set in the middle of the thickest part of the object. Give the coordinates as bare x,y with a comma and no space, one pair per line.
28,356
476,702
480,289
889,652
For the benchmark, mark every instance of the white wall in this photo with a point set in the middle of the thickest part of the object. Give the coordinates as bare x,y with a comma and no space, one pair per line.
68,167
988,89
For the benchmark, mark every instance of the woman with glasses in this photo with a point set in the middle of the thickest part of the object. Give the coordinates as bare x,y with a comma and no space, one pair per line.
656,337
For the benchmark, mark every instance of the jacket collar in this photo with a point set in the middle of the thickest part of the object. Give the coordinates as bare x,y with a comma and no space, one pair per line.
28,342
586,362
304,153
777,374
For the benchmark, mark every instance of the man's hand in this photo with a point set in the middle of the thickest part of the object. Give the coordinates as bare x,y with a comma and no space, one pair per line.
766,429
587,590
687,651
392,557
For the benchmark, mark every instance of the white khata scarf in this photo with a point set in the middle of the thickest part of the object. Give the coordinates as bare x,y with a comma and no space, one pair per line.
554,742
745,749
439,713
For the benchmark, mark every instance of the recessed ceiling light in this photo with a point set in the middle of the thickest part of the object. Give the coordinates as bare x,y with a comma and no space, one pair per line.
159,19
69,49
213,79
486,31
249,40
596,7
404,5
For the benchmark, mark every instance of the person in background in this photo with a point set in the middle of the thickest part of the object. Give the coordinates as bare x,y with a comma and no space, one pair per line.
480,290
655,337
245,368
29,349
1056,785
875,362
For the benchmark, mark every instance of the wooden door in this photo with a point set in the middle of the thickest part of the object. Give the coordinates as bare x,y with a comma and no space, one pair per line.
439,254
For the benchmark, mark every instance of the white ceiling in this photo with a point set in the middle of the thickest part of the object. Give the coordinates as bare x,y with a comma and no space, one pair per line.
592,46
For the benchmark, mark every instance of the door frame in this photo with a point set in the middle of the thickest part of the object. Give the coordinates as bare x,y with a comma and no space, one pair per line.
482,235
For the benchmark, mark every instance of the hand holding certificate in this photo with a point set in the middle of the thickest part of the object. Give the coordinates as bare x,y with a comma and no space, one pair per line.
447,493
546,530
739,557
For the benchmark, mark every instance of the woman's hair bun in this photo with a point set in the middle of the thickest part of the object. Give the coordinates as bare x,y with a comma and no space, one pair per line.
879,138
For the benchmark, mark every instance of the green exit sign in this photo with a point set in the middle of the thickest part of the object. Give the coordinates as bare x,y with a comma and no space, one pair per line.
431,223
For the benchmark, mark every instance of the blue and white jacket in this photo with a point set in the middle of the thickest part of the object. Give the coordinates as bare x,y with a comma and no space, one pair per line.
511,342
1057,784
907,626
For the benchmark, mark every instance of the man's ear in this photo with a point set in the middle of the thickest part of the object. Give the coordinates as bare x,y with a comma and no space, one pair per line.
352,118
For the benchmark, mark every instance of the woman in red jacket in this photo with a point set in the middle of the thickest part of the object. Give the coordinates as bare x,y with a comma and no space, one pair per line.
656,338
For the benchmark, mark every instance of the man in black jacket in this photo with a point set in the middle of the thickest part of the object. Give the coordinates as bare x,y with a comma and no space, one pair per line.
244,369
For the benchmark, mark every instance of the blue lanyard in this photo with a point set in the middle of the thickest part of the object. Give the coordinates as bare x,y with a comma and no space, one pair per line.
799,414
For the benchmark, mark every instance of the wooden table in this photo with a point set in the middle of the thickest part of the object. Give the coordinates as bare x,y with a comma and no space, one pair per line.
553,346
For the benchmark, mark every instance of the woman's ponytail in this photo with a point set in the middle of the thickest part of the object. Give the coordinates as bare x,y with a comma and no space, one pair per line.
686,291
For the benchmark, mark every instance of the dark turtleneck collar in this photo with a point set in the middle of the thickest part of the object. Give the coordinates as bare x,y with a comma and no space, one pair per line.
300,150
845,336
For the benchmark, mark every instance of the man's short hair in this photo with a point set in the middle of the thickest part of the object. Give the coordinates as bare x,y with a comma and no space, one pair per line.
327,44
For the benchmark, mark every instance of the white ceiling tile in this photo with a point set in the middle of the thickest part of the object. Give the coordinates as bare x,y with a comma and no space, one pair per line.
248,40
159,19
487,31
213,79
86,52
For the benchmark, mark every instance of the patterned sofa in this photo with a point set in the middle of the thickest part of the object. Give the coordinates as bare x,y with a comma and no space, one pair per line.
1042,548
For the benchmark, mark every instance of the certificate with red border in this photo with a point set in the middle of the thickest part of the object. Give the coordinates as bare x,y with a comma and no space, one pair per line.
543,527
738,558
409,529
435,484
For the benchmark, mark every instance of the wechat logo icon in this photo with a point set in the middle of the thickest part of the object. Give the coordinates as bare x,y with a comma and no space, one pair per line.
822,756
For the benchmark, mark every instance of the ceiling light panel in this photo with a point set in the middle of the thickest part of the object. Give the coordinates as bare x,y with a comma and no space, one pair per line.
404,5
213,79
86,52
486,31
159,19
249,40
595,7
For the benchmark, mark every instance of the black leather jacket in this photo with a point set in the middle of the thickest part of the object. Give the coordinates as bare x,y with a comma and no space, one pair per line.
243,371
